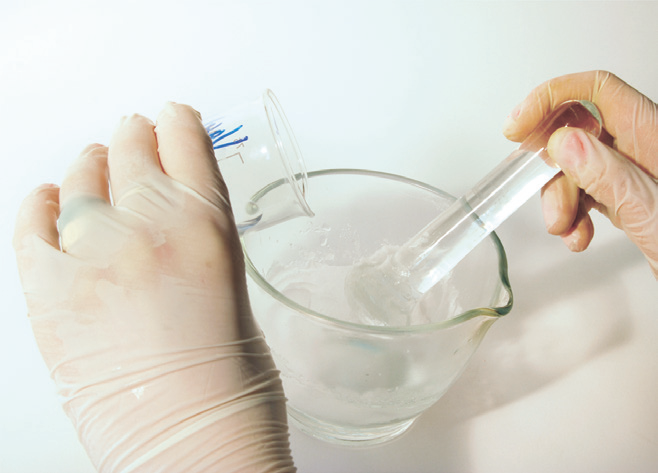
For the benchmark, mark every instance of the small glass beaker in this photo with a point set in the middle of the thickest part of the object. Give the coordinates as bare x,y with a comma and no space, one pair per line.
255,146
347,380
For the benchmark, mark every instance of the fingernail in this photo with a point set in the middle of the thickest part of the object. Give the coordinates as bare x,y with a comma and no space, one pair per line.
509,125
169,109
173,109
135,118
572,240
569,147
43,187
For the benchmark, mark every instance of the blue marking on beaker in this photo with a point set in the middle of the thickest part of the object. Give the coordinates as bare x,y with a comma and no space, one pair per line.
219,134
234,142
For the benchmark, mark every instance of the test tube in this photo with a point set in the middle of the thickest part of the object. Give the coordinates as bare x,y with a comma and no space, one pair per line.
445,241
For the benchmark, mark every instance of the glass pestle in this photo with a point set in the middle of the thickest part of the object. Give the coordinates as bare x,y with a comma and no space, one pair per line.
389,284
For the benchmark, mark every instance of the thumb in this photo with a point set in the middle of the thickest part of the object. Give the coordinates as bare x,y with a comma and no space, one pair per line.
626,194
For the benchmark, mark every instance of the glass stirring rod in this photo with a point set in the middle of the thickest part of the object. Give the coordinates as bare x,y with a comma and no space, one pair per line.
388,286
435,250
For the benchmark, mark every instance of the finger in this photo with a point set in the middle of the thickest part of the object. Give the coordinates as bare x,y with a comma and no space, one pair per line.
132,156
559,199
579,236
186,151
37,217
628,115
87,176
627,194
599,87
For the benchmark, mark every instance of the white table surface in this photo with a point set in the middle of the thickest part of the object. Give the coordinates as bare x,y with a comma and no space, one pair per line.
568,381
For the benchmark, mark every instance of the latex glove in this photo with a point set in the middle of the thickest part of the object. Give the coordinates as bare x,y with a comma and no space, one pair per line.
617,174
142,314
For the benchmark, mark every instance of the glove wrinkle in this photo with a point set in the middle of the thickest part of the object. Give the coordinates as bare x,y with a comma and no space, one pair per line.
143,318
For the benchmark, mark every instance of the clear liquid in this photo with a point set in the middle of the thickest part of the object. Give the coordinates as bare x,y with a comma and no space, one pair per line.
351,381
319,284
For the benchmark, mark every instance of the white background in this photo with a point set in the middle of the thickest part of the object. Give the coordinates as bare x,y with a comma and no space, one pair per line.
567,382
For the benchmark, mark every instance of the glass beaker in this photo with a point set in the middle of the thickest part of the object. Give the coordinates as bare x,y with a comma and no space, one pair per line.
348,381
255,146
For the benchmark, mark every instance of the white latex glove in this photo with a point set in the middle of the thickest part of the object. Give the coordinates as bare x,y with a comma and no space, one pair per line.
142,314
617,174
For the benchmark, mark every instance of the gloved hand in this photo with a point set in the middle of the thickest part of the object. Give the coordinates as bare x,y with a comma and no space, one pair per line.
142,313
616,174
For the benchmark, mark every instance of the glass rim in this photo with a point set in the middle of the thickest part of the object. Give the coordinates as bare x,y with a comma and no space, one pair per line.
493,312
294,164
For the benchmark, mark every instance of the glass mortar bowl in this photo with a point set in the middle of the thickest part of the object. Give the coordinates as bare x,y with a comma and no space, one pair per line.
352,381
